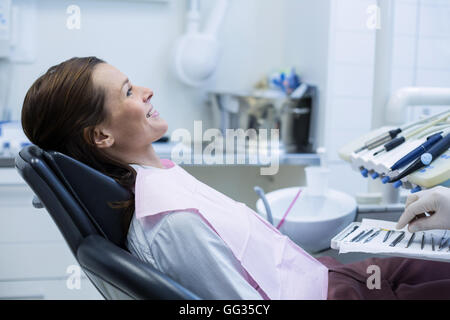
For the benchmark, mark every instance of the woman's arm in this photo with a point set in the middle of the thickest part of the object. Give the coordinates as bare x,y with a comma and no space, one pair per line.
191,253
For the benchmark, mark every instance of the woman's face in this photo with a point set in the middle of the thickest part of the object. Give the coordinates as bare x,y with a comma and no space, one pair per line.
132,122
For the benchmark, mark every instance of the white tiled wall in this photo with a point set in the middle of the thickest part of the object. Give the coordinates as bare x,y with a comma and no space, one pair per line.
421,57
350,86
421,52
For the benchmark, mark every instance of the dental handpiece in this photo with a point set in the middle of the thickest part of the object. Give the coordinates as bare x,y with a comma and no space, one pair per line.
392,134
434,152
379,140
417,152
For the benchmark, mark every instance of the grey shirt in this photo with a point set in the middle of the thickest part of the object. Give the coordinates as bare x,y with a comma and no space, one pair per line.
182,246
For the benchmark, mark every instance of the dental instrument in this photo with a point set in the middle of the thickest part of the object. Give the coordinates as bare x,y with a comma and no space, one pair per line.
349,233
444,244
388,235
372,236
423,241
359,236
410,240
400,140
435,151
383,162
365,235
432,242
378,141
398,239
392,134
431,140
441,244
394,143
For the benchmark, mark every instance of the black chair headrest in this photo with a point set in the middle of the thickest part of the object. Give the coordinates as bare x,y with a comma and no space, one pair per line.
95,191
91,189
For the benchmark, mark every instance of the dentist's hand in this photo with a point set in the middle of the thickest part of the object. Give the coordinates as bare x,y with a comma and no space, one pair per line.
435,201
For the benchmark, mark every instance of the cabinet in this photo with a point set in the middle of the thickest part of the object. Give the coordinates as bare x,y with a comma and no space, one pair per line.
34,257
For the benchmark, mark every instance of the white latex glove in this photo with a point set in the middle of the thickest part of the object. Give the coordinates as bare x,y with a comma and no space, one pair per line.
435,202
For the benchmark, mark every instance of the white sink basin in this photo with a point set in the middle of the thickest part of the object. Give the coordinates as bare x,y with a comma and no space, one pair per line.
313,220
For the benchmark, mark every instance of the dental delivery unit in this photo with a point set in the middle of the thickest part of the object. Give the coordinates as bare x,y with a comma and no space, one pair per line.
415,156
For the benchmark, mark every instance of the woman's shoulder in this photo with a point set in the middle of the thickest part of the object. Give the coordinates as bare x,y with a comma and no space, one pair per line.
181,222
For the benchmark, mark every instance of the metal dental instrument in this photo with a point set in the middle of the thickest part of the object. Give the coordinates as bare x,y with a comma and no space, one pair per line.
359,235
365,235
379,140
392,134
353,230
423,241
372,236
398,239
441,243
444,244
432,242
410,240
394,143
388,234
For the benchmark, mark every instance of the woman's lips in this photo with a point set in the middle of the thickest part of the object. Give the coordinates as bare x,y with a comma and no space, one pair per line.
155,114
152,113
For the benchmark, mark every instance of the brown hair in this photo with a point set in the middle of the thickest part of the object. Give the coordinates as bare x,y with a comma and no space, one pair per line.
60,112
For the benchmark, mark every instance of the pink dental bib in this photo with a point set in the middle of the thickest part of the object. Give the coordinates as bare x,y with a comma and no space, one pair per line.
279,267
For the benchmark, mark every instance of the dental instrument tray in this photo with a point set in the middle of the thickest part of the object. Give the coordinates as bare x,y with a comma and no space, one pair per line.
415,156
381,237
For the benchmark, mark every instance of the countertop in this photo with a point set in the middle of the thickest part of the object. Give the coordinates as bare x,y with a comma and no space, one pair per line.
164,150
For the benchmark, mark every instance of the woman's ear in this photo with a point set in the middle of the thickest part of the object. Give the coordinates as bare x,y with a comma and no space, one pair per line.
100,137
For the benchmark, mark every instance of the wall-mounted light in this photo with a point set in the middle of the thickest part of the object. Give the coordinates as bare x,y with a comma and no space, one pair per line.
197,53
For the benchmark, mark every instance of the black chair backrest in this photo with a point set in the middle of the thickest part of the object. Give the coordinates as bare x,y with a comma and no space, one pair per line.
76,196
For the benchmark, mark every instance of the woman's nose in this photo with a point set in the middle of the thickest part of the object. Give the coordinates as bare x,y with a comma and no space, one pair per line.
146,94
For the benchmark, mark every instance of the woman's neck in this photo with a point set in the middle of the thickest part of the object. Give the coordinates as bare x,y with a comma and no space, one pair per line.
147,158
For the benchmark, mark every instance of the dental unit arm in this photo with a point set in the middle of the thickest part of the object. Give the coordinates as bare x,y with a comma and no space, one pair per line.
416,155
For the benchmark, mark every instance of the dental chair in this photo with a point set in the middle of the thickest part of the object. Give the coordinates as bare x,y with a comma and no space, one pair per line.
76,197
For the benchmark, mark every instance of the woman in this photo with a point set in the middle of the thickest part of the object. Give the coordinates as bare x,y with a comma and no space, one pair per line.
90,111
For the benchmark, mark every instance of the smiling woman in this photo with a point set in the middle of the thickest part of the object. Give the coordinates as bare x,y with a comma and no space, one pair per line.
86,108
128,130
212,245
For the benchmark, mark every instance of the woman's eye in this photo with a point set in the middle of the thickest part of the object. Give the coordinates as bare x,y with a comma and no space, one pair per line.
129,92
